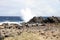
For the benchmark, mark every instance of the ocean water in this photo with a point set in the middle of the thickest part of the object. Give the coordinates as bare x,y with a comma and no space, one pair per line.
11,18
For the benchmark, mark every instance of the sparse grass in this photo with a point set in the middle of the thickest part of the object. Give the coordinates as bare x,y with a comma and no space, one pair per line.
30,35
25,36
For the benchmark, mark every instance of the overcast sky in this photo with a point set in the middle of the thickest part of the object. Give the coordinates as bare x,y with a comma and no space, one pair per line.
30,8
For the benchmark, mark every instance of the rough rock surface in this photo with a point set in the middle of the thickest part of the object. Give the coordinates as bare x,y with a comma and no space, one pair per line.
45,20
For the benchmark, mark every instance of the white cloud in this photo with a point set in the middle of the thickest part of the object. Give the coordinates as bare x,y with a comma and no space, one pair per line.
45,7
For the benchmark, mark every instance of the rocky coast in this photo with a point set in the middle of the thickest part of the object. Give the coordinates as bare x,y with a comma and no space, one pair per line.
37,28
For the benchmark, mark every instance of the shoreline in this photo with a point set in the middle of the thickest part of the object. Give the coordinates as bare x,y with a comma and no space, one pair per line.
44,29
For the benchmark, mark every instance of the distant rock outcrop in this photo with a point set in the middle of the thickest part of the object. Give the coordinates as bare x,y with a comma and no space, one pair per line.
45,20
36,20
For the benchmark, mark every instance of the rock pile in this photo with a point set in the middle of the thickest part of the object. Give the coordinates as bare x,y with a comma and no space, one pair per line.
45,20
7,30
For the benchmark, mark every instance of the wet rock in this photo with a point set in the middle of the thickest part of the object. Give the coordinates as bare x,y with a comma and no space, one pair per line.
5,24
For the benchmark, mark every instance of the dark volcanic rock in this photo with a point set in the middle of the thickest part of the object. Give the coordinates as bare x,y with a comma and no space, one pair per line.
53,20
45,20
36,20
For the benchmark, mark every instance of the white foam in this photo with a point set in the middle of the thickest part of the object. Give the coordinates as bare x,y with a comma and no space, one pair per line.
10,22
27,14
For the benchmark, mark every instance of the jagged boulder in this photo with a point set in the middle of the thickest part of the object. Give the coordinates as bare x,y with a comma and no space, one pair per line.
45,20
36,20
53,19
